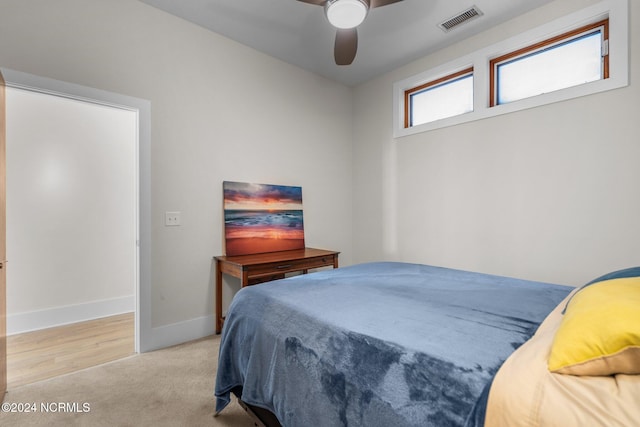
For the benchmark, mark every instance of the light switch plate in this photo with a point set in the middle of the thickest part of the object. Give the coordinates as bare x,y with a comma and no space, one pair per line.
171,219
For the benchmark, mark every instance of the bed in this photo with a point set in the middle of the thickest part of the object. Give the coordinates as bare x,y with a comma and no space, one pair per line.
381,344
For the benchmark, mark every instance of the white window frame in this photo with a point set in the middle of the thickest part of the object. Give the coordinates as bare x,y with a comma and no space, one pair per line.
615,10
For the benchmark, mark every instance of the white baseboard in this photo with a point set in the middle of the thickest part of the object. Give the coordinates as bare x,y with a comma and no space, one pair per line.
160,337
178,333
57,316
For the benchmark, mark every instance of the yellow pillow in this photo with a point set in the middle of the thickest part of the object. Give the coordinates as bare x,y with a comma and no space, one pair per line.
600,331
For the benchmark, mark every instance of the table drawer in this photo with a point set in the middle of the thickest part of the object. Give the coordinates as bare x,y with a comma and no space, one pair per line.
255,280
290,266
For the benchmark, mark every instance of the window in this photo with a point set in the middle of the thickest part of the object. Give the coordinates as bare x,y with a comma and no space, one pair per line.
438,99
570,59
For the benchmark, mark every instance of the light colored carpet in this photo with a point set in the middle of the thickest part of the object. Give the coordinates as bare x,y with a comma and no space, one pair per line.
169,387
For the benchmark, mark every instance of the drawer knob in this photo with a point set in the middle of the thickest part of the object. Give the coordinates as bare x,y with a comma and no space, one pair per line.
282,267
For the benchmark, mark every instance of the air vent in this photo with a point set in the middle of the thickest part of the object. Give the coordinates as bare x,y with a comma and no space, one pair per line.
461,18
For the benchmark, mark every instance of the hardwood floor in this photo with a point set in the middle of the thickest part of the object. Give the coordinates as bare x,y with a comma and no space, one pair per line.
38,355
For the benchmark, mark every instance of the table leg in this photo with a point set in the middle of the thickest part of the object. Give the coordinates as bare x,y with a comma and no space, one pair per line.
244,280
218,297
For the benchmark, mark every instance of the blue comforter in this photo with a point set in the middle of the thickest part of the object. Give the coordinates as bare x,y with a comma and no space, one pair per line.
379,344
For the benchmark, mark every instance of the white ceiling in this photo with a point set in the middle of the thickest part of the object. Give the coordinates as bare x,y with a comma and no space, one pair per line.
299,33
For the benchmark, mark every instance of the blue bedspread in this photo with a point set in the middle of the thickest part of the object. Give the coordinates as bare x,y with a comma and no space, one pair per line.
379,344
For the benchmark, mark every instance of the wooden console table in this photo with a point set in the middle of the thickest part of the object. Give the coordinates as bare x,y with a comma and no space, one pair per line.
258,268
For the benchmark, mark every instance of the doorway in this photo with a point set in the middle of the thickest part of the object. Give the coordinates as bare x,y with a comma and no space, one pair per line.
74,231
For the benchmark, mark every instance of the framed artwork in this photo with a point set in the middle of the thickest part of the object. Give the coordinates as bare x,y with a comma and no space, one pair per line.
262,218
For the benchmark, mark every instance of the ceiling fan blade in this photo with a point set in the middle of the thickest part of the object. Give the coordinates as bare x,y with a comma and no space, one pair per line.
346,46
317,2
380,3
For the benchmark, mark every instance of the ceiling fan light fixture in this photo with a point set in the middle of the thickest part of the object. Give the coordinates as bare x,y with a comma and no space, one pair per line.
346,13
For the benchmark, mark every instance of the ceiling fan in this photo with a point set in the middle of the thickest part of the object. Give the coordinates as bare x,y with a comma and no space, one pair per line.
346,15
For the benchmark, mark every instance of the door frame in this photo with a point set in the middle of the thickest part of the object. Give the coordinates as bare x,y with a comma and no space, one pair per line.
142,108
3,243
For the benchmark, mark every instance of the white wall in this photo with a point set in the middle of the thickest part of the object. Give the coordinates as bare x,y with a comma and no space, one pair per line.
219,111
549,193
71,211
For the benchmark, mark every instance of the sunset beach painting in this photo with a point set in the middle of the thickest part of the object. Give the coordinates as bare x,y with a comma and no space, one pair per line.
262,218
